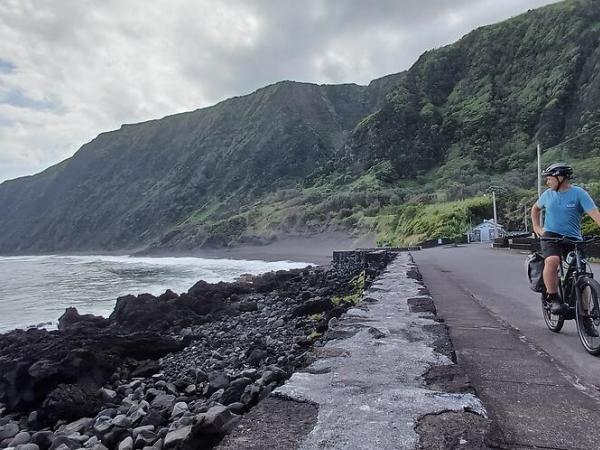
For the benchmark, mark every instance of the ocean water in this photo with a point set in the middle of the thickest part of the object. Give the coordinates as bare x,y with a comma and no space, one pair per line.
35,290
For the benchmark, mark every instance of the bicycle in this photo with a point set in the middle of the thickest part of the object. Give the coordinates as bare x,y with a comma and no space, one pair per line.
580,293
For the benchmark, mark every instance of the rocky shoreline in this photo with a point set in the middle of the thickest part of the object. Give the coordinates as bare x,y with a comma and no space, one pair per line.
174,371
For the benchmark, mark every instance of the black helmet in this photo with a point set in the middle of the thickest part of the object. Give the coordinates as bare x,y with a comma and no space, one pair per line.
557,170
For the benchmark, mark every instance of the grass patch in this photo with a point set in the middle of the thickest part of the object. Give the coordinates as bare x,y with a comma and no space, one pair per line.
357,286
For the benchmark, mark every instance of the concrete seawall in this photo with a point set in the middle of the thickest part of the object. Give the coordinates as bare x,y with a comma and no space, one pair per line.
385,379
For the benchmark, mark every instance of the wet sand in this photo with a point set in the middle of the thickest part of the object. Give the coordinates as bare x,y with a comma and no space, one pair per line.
317,249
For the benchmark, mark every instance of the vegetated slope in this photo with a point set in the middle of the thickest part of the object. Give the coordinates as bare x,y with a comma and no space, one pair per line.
129,186
468,116
481,104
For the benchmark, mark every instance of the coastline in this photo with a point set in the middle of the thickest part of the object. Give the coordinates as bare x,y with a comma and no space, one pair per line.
176,370
316,249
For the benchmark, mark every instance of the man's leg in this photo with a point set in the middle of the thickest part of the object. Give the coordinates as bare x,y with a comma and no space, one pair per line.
551,282
551,273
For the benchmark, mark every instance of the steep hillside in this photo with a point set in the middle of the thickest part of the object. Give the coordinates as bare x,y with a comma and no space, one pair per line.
128,186
481,104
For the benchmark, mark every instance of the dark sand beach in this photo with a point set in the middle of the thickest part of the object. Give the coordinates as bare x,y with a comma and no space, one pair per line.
315,249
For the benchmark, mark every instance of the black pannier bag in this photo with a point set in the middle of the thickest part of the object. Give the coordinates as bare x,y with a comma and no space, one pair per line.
534,265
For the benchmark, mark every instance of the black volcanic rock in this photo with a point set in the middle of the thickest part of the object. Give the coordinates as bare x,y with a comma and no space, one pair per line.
313,306
144,310
69,402
35,362
148,312
120,387
71,319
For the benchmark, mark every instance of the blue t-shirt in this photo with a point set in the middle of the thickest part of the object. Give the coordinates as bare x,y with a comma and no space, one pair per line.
564,210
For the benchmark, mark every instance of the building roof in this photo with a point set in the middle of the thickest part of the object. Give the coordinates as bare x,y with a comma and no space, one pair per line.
487,223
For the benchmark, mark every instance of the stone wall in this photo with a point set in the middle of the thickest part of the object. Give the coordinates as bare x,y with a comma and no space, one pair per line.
370,260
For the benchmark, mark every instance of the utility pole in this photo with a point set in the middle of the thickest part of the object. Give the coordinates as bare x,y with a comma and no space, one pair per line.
539,177
495,215
539,170
525,218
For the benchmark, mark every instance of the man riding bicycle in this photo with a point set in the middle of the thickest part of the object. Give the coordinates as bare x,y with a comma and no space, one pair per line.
564,205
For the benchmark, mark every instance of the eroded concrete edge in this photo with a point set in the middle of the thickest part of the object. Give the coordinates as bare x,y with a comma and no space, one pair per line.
370,387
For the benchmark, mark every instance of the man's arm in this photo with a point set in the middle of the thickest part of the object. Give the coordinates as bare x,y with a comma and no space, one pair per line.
535,219
594,214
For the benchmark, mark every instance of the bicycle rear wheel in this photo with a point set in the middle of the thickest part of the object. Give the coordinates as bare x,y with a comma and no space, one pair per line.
553,322
587,314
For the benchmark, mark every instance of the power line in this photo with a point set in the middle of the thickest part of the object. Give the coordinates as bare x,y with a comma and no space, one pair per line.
573,138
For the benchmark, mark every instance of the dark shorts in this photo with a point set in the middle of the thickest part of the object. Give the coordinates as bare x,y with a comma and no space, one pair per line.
554,248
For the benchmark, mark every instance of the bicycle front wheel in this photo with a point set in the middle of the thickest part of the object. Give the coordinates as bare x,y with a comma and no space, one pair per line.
587,314
554,322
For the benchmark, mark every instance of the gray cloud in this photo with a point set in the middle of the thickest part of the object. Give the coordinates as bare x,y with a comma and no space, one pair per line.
72,69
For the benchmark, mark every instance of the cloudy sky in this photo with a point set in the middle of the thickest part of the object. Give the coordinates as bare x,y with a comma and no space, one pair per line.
70,69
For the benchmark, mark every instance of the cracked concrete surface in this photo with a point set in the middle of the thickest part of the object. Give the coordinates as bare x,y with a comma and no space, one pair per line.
369,387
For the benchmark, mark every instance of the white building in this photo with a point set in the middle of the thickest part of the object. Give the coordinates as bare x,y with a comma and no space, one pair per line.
484,232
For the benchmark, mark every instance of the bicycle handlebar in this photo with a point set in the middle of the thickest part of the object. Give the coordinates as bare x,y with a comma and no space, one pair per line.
567,240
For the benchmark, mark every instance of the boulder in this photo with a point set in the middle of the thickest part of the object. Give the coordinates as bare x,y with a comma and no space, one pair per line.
43,439
8,431
126,444
69,402
250,395
72,319
154,417
145,438
20,438
163,402
29,446
212,425
216,381
65,443
179,409
102,426
138,430
235,390
107,395
313,306
78,426
122,421
115,436
176,438
256,356
99,446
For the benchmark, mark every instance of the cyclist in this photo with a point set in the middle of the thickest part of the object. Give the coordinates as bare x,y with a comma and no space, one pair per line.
564,205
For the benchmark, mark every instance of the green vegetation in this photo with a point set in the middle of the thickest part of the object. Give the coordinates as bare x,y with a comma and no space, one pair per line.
412,224
357,287
314,335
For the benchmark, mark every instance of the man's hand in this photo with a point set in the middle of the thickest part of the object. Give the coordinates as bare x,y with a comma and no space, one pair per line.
594,214
539,231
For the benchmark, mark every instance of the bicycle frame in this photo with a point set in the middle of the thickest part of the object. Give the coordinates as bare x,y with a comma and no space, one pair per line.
576,268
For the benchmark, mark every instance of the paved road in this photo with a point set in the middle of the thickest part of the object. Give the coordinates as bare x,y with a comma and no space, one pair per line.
496,278
540,388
